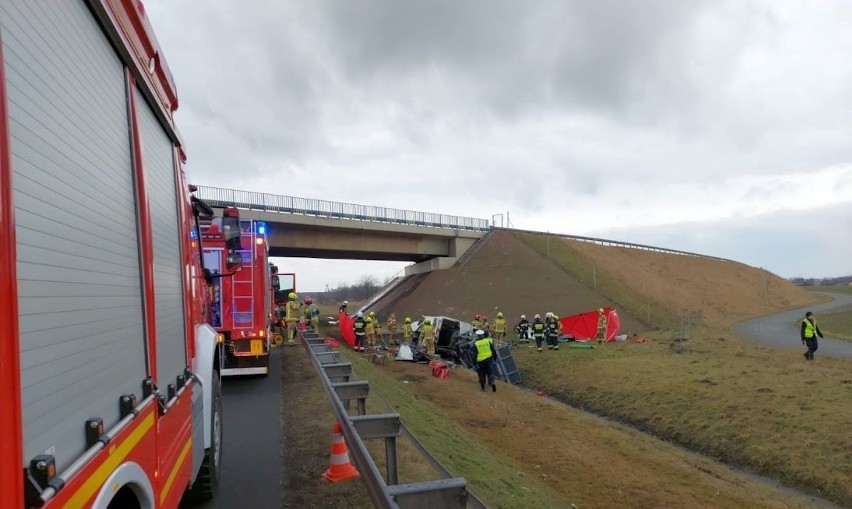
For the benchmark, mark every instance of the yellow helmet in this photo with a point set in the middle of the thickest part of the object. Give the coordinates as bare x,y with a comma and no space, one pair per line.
427,321
407,320
292,296
600,310
372,313
368,319
500,314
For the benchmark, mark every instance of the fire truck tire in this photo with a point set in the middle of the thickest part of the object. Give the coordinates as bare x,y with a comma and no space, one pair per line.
207,481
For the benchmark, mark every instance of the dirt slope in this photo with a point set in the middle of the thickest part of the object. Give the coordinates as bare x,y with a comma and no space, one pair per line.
504,275
723,292
528,274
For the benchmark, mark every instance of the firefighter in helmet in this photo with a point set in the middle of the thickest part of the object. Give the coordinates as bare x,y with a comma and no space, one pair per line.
601,325
312,313
371,332
293,313
377,325
360,326
392,328
538,329
552,325
427,335
407,333
522,329
499,328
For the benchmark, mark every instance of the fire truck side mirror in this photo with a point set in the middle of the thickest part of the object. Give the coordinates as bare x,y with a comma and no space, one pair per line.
231,228
234,261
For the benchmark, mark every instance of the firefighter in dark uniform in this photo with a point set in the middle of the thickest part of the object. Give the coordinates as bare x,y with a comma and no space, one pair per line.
522,329
360,327
810,332
538,331
552,324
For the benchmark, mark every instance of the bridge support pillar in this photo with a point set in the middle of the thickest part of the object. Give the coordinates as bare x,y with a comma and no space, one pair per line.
456,247
443,262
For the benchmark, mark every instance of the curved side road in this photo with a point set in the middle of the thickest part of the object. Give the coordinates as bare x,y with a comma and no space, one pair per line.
782,329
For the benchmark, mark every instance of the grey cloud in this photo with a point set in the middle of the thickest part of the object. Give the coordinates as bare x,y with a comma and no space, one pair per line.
812,243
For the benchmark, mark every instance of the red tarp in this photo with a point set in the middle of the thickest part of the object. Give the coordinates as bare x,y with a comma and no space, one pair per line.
345,323
584,326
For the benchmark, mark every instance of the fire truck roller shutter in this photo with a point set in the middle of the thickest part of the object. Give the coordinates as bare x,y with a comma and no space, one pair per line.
158,161
79,283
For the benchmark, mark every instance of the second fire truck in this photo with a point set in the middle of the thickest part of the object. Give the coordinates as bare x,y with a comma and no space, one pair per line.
241,299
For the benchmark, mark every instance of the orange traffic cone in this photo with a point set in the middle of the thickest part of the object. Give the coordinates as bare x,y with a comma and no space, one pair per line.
339,469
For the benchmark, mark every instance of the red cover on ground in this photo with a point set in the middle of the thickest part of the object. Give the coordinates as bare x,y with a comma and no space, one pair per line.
584,326
345,322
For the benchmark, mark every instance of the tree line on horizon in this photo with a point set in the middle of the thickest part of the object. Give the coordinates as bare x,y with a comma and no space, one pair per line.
824,281
366,287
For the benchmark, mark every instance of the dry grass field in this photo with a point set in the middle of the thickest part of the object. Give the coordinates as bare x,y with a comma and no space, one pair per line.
747,405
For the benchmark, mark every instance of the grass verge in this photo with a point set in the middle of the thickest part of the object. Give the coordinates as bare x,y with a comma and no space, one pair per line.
837,325
745,404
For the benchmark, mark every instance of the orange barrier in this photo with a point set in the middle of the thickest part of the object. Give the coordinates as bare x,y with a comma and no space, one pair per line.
339,469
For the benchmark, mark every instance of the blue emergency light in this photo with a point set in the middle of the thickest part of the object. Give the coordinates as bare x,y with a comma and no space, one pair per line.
261,228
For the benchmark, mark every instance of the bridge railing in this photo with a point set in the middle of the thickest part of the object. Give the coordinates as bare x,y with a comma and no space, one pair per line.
251,200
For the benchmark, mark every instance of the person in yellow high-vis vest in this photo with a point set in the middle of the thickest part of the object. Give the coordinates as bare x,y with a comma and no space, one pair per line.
294,311
810,332
483,347
499,328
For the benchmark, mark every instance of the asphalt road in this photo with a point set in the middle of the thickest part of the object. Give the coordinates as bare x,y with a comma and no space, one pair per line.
251,456
782,329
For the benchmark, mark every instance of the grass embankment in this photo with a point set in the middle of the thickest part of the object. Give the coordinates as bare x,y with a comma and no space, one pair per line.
487,472
749,405
641,306
837,325
667,290
518,450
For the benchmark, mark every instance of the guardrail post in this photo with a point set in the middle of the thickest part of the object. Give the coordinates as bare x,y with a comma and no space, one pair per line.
385,426
340,371
328,357
444,493
353,390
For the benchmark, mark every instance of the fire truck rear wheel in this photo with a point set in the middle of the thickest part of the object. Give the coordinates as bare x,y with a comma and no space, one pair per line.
207,481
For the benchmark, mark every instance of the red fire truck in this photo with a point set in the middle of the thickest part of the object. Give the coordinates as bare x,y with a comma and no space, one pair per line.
241,299
109,372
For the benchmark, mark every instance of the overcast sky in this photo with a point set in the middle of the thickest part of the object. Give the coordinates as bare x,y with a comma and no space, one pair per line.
719,127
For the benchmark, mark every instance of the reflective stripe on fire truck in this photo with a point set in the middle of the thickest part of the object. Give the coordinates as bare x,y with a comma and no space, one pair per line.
179,463
117,454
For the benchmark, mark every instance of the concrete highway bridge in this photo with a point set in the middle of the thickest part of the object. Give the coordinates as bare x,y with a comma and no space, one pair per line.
311,228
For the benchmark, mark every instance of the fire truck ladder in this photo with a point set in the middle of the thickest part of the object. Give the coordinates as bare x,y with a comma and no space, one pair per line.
243,298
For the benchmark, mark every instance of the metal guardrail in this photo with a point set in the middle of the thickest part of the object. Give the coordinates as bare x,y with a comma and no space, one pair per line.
618,243
251,200
445,493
